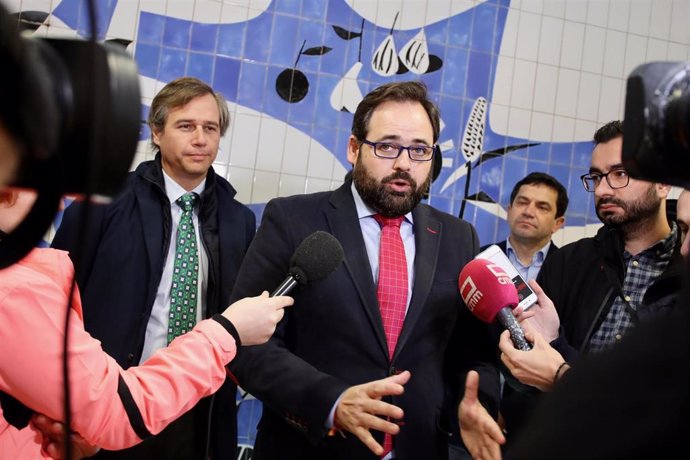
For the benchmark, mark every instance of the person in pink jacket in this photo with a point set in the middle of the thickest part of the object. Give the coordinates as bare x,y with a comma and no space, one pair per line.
111,407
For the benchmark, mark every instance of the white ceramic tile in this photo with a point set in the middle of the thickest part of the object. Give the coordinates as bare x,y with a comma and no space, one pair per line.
614,56
545,88
296,152
550,41
588,97
265,186
320,165
619,15
563,129
656,50
498,118
541,128
244,147
231,13
125,20
503,82
412,12
519,122
680,18
611,95
242,179
510,34
207,11
566,92
36,5
573,42
153,6
221,169
584,129
660,19
269,155
635,52
442,10
524,75
555,8
677,52
385,14
532,6
640,12
291,185
528,36
598,12
315,184
593,49
181,9
576,11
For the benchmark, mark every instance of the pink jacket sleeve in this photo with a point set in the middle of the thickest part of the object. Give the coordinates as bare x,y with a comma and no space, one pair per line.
33,297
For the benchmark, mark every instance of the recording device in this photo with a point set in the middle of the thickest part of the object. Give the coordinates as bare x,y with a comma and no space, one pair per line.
526,296
656,130
316,257
72,107
489,293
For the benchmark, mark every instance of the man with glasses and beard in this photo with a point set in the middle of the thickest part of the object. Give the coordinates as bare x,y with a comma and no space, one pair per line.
603,286
319,375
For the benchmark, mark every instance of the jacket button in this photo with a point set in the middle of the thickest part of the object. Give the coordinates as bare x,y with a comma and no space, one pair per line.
393,371
130,357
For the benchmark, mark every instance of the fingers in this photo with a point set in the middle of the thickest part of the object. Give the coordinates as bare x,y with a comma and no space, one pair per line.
471,387
535,287
505,344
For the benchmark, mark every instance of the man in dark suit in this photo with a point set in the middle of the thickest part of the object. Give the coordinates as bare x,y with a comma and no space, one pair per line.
127,265
536,211
321,368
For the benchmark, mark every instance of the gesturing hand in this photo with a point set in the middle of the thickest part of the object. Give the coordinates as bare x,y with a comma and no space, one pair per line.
361,409
535,367
479,431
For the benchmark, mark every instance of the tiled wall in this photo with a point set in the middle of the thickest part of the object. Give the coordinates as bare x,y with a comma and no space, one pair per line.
530,79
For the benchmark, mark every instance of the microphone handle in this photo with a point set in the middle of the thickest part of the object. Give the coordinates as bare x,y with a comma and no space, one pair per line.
507,319
286,286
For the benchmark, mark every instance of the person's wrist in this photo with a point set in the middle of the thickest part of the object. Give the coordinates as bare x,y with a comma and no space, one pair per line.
562,368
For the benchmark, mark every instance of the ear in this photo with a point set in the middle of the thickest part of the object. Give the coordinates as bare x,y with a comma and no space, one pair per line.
662,190
352,150
558,224
155,137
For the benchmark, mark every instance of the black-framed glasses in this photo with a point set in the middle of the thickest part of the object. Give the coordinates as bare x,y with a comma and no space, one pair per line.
616,178
391,150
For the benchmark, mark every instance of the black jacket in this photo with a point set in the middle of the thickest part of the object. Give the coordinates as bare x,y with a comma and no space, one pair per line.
120,261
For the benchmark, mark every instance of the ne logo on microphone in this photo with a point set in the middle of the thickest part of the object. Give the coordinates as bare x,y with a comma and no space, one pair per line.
470,294
499,273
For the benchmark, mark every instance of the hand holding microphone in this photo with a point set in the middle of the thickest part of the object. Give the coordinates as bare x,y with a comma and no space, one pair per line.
255,318
489,293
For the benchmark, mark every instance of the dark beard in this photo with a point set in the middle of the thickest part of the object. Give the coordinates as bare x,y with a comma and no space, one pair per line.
385,202
634,212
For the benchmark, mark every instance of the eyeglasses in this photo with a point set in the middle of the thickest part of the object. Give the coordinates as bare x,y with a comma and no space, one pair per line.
390,150
616,178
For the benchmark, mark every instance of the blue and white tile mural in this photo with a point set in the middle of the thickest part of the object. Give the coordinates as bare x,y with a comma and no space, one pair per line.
293,72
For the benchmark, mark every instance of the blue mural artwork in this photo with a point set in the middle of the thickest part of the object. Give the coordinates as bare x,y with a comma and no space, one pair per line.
308,63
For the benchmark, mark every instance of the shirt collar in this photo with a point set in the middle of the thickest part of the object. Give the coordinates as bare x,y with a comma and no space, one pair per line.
174,190
540,255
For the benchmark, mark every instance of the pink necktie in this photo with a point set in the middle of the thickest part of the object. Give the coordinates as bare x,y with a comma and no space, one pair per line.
392,288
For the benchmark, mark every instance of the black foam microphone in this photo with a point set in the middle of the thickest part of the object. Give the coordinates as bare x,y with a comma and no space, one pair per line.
316,257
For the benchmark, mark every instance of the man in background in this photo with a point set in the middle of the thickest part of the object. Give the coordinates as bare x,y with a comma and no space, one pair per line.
163,255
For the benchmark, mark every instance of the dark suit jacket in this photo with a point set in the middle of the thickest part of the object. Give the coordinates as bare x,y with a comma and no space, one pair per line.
333,338
120,262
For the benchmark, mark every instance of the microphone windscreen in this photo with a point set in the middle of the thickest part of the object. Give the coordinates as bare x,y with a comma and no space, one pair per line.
316,257
486,289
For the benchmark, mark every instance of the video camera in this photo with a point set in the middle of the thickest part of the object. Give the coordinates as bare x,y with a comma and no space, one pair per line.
656,130
72,110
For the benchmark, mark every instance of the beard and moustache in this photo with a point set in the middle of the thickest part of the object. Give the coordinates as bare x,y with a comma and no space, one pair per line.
387,202
634,212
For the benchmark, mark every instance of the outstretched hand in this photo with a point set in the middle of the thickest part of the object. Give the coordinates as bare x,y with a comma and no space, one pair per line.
479,431
255,318
360,409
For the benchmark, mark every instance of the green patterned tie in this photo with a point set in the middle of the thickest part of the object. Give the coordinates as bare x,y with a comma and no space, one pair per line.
183,293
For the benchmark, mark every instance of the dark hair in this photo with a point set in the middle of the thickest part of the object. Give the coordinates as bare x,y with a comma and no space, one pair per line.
400,92
540,178
609,131
178,93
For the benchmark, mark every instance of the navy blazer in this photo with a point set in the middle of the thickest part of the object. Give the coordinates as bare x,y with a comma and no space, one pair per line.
333,337
119,264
